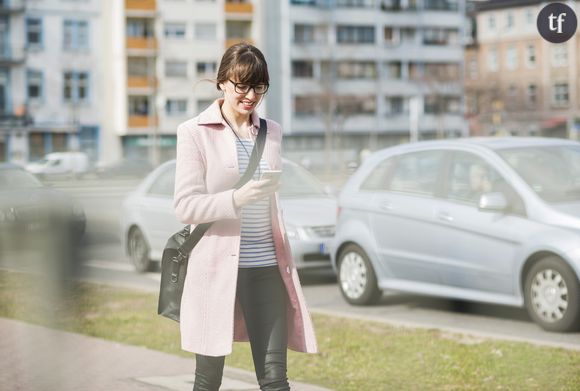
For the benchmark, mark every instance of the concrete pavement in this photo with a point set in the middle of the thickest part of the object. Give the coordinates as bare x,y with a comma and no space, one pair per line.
35,358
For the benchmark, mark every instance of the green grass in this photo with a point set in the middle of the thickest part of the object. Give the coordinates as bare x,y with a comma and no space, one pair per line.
354,355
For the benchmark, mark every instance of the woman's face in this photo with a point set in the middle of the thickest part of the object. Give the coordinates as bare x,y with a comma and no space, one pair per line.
242,103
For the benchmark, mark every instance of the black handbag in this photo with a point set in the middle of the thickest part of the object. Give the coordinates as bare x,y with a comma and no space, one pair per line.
176,253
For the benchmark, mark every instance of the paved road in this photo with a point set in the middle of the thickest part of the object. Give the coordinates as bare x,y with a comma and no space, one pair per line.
104,261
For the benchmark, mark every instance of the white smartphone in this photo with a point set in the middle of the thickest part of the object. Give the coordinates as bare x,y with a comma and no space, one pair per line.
271,175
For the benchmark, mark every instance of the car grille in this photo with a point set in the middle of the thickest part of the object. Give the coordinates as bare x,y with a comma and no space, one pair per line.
325,231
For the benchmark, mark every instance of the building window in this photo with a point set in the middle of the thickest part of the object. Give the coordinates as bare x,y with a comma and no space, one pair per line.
356,105
34,85
303,2
440,36
75,34
437,104
398,5
560,55
305,105
441,5
491,22
532,94
355,34
357,70
139,28
203,104
391,36
512,91
531,56
473,69
510,21
139,106
355,3
530,16
303,69
303,33
238,29
394,70
206,69
175,30
512,58
140,67
76,86
395,105
205,31
408,34
561,94
492,63
176,68
34,33
176,107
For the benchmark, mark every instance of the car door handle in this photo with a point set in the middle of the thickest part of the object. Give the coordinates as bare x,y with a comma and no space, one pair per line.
444,216
385,205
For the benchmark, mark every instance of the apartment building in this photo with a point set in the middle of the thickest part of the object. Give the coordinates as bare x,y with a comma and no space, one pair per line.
350,75
49,68
516,82
13,118
162,61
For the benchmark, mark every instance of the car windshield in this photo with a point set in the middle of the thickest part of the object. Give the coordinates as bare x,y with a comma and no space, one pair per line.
552,172
17,179
297,182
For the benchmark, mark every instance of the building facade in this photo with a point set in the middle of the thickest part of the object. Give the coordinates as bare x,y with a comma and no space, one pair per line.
162,65
350,75
49,77
516,82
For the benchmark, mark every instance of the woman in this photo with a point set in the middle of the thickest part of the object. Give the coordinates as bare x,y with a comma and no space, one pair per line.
241,282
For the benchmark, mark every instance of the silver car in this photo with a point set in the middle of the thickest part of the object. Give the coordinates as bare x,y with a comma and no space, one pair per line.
494,220
148,218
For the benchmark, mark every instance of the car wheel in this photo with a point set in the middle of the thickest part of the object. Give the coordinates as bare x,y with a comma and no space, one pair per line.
552,295
139,250
356,277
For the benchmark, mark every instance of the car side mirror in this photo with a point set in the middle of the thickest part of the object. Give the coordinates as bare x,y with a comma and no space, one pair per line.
493,202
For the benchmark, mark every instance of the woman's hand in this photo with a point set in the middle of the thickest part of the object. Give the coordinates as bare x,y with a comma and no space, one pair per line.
254,191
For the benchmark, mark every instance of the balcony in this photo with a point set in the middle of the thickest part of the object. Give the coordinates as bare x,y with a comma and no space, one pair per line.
233,41
141,46
238,7
142,121
12,7
141,5
141,82
10,56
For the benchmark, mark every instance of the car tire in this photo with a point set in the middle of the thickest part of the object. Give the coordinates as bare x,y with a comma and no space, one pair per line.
139,250
356,277
552,295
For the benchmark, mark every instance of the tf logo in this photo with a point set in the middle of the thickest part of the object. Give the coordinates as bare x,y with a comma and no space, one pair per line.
557,22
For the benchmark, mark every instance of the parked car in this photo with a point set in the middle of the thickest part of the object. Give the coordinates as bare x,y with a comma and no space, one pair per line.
494,220
148,218
30,211
124,168
60,163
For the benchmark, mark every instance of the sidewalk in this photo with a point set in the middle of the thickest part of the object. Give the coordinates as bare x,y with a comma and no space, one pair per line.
35,358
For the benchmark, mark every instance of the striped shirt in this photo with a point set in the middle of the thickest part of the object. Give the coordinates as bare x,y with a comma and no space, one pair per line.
257,243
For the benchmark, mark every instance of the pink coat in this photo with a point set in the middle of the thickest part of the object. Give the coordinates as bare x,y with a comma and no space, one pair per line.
207,170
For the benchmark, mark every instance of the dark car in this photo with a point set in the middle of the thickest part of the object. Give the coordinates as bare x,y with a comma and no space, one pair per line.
32,215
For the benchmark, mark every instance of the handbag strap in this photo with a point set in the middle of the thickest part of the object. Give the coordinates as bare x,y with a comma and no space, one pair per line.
255,158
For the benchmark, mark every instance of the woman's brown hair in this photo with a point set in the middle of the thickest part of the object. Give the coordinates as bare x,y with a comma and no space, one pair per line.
245,63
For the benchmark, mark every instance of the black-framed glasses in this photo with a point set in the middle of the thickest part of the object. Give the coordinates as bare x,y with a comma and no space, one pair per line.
242,88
